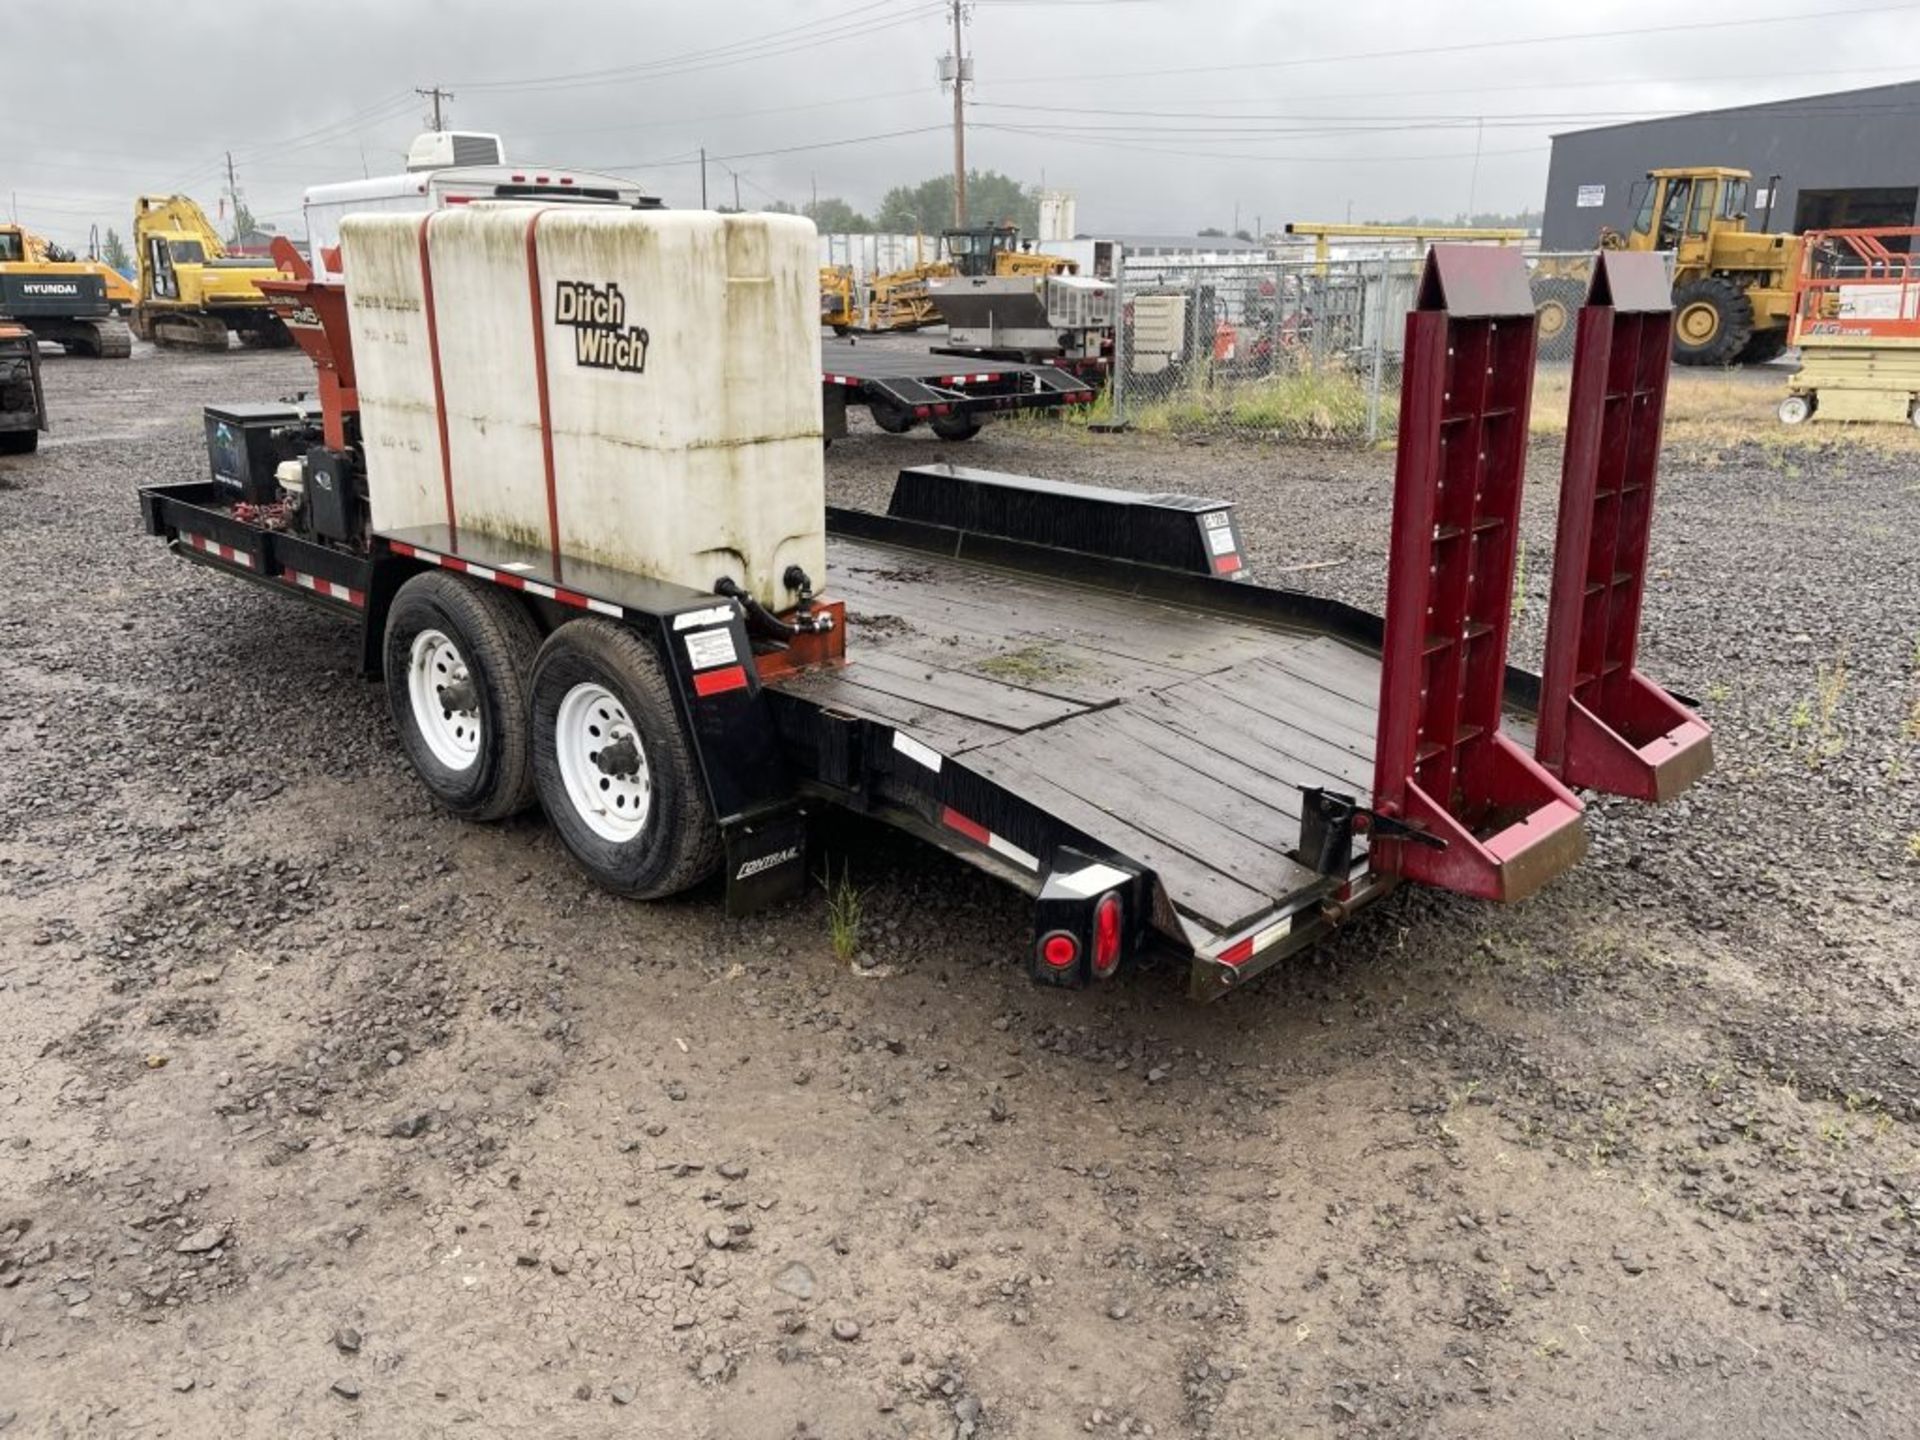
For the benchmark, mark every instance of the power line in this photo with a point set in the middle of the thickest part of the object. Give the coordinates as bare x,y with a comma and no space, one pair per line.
1240,157
792,40
781,150
1462,47
1608,82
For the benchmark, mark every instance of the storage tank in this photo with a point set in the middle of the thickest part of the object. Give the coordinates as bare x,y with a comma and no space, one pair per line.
677,434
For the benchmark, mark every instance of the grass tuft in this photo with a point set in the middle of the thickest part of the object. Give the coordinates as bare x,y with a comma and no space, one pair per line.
843,913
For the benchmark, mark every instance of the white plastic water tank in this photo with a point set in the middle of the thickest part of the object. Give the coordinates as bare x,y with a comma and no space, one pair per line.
680,351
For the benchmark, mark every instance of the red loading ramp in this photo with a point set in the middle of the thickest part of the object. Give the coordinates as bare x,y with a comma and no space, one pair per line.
1603,725
1443,763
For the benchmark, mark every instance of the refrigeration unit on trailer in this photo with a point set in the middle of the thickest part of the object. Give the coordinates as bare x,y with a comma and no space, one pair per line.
447,168
566,477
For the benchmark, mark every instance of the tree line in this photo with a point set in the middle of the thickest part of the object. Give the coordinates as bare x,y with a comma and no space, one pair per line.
992,198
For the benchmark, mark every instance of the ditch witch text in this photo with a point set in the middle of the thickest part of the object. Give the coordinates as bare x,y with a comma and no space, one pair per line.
602,338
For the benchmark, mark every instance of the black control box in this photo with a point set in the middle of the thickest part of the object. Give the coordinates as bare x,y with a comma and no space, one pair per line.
246,442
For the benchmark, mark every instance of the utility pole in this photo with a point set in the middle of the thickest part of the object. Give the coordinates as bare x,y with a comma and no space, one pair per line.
1473,184
959,118
736,192
233,197
435,94
703,177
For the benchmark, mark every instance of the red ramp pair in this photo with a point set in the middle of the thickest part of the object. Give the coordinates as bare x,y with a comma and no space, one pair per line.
1443,763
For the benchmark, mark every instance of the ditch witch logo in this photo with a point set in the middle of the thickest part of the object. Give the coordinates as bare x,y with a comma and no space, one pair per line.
602,339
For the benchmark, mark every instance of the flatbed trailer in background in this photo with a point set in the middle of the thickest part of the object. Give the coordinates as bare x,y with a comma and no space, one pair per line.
905,388
1078,690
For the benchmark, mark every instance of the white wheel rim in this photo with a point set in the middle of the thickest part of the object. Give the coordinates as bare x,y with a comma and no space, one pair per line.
610,786
1794,409
446,701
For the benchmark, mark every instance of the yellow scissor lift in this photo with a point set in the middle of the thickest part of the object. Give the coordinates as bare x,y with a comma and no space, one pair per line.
1856,319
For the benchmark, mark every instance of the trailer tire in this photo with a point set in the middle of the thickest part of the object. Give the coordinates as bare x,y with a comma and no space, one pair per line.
1712,321
476,761
891,416
956,427
599,683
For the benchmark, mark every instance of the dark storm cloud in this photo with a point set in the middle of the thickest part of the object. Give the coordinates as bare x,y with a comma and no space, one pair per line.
1159,115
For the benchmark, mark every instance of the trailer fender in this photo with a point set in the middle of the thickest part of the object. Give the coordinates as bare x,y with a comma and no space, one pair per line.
389,572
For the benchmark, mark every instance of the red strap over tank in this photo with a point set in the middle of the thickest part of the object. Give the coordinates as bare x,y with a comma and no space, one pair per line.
540,382
439,384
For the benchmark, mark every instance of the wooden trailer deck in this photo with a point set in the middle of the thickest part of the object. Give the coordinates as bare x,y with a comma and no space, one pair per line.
1175,736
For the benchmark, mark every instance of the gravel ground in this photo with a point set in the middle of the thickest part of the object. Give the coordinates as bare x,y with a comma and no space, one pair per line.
323,1114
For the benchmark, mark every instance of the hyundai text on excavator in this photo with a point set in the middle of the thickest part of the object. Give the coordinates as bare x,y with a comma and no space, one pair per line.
191,292
59,297
1732,287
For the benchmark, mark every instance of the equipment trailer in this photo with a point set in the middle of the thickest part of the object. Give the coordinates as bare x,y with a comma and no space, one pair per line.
902,388
1073,688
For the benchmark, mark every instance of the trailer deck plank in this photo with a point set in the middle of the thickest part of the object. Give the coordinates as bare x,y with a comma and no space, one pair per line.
1176,737
977,697
941,596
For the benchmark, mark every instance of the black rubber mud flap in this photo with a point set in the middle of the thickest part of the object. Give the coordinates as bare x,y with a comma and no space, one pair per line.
766,859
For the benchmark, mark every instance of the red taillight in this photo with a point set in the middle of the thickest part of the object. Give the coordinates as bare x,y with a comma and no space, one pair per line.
1106,936
1059,950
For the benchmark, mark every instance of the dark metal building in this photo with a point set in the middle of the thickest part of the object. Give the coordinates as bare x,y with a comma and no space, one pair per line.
1843,159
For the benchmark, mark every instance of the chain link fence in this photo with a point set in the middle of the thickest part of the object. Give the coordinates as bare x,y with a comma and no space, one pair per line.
1288,349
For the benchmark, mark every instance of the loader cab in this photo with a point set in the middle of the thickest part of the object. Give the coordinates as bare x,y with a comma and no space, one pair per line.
976,251
1684,210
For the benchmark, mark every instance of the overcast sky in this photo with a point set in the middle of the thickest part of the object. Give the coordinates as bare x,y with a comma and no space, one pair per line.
1159,115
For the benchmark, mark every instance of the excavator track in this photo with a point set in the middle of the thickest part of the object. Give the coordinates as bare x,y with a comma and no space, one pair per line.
188,332
111,339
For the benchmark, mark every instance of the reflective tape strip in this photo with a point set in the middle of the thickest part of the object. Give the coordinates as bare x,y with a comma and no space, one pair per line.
980,835
718,682
1000,845
502,576
1090,880
328,588
1248,946
219,551
916,752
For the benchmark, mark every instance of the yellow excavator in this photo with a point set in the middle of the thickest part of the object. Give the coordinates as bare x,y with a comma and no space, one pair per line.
61,298
191,292
1732,287
902,301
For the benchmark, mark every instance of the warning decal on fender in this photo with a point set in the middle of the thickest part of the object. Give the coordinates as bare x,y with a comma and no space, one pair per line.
708,648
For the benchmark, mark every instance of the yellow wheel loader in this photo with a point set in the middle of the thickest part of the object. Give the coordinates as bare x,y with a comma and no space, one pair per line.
1732,287
192,294
62,299
902,300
